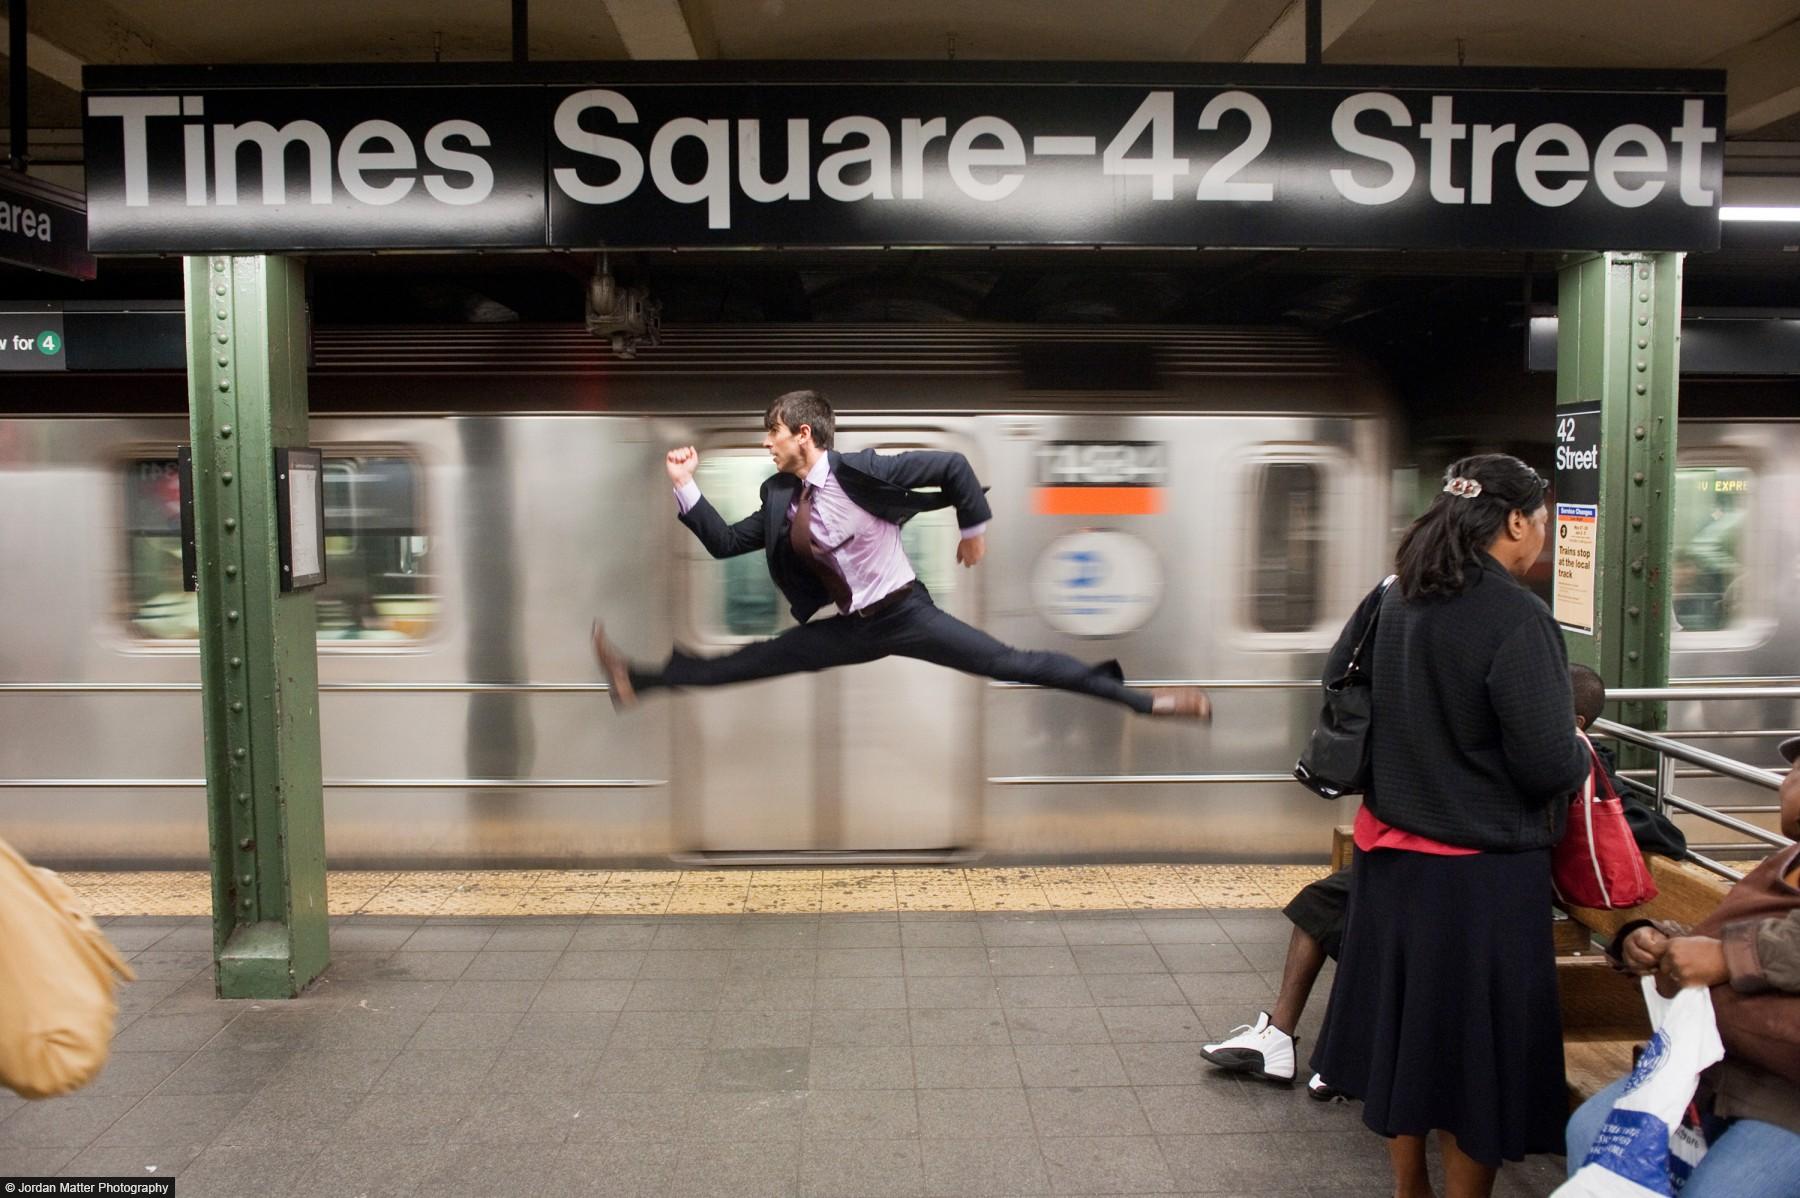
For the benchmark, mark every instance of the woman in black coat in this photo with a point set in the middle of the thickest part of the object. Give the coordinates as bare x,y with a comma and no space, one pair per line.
1444,1013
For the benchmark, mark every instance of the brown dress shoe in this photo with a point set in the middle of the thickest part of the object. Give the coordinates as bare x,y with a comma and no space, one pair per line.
1183,703
616,668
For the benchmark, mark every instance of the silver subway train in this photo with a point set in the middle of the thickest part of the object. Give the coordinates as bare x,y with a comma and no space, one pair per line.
491,490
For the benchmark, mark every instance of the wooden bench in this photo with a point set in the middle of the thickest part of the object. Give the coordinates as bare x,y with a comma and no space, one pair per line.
1603,1009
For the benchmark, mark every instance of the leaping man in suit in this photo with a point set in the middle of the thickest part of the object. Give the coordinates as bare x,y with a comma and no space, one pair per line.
830,526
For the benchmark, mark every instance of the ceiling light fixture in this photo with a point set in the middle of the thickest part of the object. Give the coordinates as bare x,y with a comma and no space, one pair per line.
1738,212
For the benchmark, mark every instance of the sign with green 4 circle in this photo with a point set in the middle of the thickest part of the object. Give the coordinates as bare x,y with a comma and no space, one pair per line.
32,341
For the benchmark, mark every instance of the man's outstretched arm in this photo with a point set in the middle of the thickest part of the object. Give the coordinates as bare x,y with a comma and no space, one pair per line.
937,468
703,520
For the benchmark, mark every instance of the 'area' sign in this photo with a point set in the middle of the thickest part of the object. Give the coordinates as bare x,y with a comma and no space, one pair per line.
865,154
43,227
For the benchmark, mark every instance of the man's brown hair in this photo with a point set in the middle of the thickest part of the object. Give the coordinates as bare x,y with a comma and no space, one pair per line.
803,407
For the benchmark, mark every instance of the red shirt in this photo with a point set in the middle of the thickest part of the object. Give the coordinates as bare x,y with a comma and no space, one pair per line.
1372,833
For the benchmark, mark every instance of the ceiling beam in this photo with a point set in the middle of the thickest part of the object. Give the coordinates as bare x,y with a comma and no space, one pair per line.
1763,79
46,58
659,29
1232,29
1285,40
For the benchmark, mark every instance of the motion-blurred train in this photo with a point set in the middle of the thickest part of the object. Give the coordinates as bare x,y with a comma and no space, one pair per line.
1203,504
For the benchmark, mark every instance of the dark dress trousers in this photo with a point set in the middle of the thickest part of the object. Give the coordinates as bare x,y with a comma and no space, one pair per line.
885,486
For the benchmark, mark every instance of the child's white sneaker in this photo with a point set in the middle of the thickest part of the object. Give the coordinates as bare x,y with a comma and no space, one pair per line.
1259,1049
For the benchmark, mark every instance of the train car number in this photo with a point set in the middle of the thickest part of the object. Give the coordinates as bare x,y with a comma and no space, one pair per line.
1103,464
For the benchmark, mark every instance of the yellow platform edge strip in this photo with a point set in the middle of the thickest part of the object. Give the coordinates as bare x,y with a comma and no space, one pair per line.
453,893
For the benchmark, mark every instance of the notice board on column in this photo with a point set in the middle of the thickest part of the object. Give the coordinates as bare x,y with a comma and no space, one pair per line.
1577,516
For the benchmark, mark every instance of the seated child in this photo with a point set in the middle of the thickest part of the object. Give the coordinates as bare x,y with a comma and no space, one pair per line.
1265,1048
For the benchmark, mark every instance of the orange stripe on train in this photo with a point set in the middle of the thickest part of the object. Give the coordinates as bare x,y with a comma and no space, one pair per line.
1099,501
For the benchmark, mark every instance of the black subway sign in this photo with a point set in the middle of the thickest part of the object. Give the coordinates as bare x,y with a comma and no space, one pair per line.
31,341
1271,157
43,227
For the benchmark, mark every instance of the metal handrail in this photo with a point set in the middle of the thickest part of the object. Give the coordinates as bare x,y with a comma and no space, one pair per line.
1668,752
1650,772
1685,694
1728,733
1681,690
1772,839
1639,786
347,783
430,687
1134,779
1666,748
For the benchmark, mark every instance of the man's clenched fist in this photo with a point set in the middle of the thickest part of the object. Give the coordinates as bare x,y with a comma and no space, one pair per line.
681,464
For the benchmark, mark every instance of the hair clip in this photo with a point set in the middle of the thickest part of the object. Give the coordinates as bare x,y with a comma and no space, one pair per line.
1463,488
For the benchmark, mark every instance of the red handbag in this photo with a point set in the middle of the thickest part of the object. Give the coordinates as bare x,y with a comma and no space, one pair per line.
1597,863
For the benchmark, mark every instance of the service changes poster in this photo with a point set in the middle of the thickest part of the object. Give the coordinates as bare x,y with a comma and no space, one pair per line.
1577,515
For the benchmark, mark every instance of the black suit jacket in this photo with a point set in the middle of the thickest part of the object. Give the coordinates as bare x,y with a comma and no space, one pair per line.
884,485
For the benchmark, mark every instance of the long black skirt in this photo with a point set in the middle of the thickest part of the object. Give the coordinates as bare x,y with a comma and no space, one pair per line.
1444,1013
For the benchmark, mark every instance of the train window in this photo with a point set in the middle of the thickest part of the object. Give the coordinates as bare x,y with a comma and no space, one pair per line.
160,609
738,599
378,583
1712,505
930,540
1287,573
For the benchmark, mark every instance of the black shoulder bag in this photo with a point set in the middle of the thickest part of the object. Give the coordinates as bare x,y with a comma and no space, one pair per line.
1336,761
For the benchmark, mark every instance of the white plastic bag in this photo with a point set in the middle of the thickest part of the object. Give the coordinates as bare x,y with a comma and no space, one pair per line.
1643,1149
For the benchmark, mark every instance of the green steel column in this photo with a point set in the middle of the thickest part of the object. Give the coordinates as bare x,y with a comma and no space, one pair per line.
1618,343
246,323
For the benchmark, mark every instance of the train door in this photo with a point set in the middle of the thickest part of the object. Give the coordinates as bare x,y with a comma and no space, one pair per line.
871,760
1731,555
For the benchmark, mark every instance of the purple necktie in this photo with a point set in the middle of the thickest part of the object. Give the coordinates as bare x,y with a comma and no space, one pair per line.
800,537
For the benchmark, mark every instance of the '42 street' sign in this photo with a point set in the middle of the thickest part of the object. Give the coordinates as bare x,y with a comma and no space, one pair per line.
869,154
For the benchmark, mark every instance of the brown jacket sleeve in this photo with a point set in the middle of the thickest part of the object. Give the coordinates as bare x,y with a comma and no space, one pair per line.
1764,954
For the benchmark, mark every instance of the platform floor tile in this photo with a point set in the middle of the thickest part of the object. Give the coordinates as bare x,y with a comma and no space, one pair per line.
779,1048
569,893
